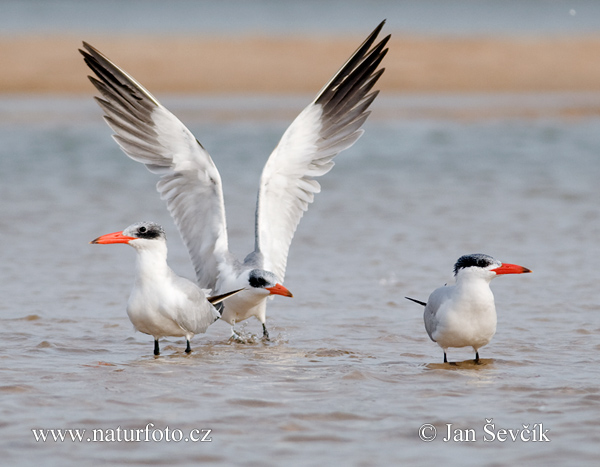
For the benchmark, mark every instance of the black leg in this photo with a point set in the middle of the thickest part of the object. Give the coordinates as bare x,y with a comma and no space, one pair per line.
445,358
265,332
476,356
156,347
188,349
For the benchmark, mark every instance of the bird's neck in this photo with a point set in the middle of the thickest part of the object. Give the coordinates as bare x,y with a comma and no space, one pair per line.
475,290
151,264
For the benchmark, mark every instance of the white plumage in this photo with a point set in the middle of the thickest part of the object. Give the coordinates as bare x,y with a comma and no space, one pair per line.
161,302
464,314
190,182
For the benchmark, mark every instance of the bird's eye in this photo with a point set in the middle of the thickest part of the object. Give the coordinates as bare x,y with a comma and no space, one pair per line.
258,282
142,229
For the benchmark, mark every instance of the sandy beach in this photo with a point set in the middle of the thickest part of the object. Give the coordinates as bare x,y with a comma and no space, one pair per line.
51,64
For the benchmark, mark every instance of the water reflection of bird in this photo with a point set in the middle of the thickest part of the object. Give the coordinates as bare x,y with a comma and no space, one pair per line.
191,185
464,314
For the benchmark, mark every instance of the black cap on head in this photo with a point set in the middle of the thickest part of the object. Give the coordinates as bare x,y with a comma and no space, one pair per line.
477,259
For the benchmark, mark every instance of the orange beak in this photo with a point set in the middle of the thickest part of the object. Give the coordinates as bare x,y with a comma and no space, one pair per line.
279,290
115,237
507,268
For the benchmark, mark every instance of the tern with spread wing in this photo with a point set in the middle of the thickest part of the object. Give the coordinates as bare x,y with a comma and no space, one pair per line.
161,302
191,185
464,314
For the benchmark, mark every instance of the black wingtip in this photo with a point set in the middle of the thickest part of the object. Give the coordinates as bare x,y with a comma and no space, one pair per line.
87,49
379,27
416,301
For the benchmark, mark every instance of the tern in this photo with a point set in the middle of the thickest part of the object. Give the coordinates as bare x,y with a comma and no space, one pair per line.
161,302
191,185
464,314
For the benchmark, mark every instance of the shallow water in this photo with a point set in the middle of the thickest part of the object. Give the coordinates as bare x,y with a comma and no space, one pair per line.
350,375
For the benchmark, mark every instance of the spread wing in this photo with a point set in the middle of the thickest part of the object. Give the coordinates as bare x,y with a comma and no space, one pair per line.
189,181
330,124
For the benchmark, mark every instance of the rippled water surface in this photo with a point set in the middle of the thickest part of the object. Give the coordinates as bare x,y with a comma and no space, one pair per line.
350,375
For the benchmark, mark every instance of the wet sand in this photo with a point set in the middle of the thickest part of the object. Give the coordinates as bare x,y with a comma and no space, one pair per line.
297,65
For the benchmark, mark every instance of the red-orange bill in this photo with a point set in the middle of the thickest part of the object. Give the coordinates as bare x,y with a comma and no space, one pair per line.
279,289
507,268
115,237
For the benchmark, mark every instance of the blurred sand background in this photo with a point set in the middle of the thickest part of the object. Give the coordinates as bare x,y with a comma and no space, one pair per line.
214,65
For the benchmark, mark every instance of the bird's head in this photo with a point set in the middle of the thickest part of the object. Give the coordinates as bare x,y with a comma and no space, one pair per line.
138,235
485,266
266,282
